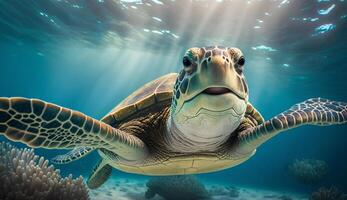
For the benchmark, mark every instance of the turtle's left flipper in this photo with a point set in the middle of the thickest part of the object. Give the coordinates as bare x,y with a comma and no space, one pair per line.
72,155
316,111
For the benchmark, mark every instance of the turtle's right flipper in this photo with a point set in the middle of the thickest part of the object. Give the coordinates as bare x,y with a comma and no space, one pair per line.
72,155
40,124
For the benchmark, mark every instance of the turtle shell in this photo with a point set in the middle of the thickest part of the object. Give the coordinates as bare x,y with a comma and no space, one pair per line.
153,95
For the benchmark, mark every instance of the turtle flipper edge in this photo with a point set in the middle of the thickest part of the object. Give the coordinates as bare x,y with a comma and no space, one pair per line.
40,124
315,111
101,172
72,155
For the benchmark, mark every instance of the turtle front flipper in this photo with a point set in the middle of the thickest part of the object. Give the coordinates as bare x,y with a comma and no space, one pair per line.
72,155
316,111
40,124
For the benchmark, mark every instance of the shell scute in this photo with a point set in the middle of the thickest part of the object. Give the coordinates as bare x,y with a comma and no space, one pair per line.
146,102
123,112
152,93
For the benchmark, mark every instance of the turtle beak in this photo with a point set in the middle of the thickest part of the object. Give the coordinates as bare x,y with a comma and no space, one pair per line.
218,91
221,91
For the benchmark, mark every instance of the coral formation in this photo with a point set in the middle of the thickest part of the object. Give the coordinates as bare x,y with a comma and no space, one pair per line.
309,170
331,193
23,175
176,187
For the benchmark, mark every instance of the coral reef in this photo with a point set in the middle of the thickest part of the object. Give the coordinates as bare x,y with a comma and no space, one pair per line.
331,193
309,170
23,175
176,187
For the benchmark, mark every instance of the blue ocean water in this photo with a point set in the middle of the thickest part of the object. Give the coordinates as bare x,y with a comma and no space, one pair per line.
90,55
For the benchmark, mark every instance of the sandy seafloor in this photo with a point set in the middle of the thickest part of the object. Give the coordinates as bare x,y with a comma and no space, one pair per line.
134,189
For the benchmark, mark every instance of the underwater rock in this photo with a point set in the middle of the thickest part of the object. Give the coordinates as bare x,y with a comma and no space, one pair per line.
224,191
309,170
23,175
277,197
176,187
2,168
285,197
331,193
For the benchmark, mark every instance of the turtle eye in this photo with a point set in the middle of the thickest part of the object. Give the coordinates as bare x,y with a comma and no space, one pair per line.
241,61
186,61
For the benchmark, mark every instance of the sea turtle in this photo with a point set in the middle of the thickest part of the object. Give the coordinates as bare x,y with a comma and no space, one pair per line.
196,121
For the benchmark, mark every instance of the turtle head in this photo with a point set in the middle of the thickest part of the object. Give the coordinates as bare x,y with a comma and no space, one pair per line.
210,94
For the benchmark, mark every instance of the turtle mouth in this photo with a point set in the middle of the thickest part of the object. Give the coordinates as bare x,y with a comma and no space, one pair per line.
216,91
